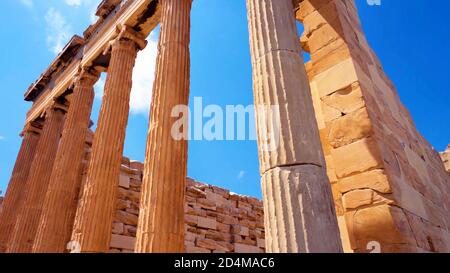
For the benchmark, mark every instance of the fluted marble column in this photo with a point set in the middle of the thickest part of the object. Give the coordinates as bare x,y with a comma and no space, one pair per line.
60,205
17,184
298,204
93,221
28,218
161,216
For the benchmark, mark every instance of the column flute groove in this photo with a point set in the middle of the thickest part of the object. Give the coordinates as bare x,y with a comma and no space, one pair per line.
26,226
161,219
299,208
93,221
55,227
18,182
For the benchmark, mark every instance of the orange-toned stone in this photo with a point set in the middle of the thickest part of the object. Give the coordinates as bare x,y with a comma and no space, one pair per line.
94,217
60,204
161,219
27,223
17,184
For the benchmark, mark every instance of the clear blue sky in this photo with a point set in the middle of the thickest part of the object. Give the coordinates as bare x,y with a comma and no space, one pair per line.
410,37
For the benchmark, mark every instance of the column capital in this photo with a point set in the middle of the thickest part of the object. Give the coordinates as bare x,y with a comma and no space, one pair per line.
56,105
32,127
87,73
127,34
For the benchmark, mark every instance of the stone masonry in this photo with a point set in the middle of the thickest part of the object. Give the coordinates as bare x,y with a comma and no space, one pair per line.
216,220
350,171
389,184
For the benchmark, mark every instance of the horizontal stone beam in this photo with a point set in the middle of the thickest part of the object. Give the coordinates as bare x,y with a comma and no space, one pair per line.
133,14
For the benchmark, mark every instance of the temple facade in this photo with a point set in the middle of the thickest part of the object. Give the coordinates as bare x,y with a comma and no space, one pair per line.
350,172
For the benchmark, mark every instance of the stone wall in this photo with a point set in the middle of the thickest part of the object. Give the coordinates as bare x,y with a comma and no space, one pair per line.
446,158
217,221
389,184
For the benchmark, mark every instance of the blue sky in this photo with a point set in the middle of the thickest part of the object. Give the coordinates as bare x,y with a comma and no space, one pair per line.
410,37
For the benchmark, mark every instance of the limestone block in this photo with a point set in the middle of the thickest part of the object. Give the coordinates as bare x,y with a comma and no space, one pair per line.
118,228
384,224
356,158
240,230
206,204
136,165
194,249
204,222
349,128
191,219
124,180
218,236
359,198
373,179
336,78
243,248
128,195
428,236
126,218
122,242
214,245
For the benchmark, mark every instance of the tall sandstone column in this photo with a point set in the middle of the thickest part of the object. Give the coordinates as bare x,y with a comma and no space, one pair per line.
93,221
298,204
161,220
28,218
17,184
60,204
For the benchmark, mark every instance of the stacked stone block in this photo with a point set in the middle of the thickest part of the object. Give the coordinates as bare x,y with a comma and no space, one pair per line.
216,220
388,183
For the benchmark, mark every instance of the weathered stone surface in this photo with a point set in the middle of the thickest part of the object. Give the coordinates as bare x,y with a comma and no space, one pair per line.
11,204
349,128
205,231
59,208
375,179
122,242
208,223
302,189
95,214
163,189
364,226
22,237
356,158
288,136
365,197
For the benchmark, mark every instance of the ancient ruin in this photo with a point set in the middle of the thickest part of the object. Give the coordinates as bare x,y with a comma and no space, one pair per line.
350,173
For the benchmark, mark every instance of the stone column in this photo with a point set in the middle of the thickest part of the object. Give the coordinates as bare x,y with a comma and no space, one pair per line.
17,184
161,220
93,221
298,204
58,213
28,218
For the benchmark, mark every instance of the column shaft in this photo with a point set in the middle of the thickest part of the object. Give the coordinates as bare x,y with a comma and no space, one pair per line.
58,213
28,218
17,184
161,220
299,210
93,221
